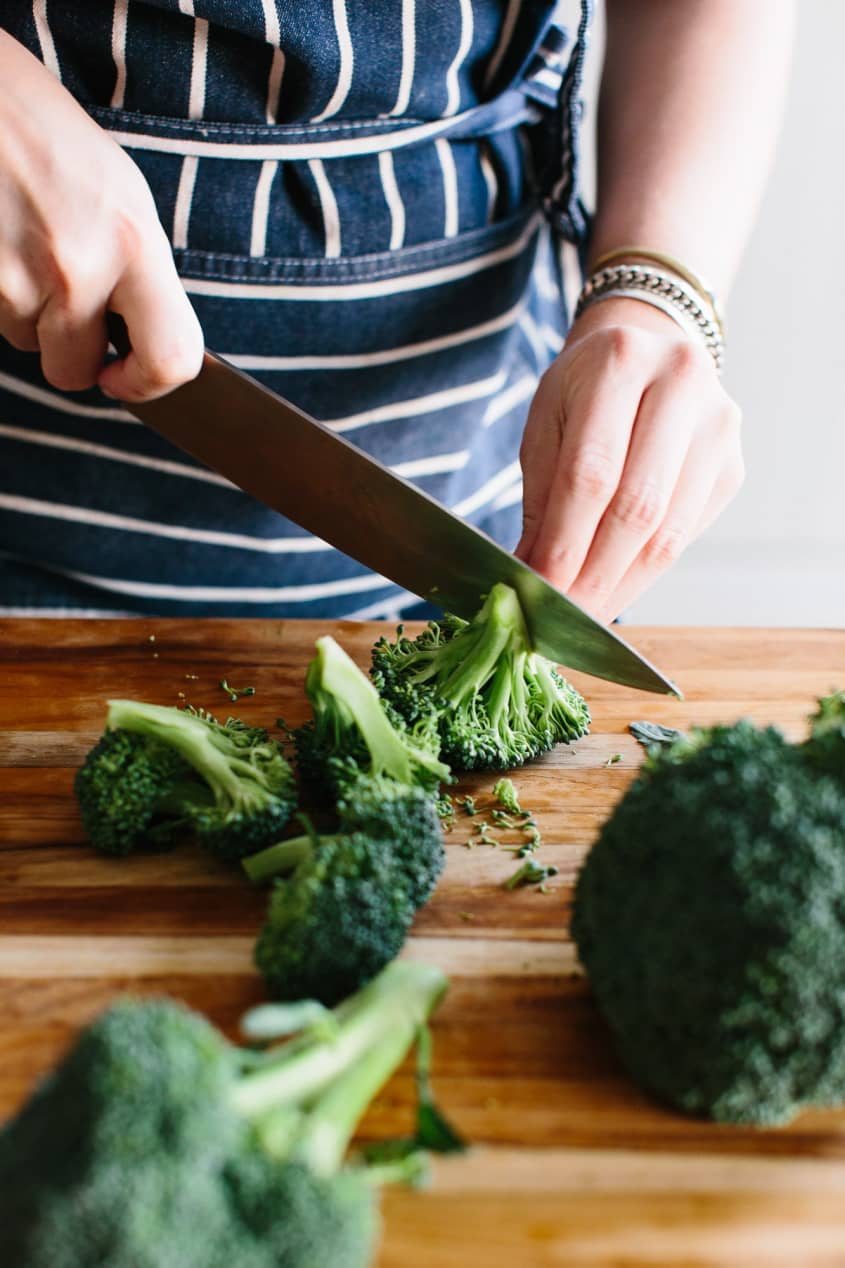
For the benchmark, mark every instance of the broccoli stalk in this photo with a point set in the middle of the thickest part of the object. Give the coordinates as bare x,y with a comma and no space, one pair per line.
351,730
496,702
252,785
229,1156
331,1080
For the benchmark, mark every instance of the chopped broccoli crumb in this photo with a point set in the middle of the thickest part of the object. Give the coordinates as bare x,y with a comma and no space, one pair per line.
506,795
531,873
235,693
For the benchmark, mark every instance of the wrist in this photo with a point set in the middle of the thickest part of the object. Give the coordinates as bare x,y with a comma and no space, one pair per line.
622,312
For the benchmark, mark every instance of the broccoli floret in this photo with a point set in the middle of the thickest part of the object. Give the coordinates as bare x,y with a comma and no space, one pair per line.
240,795
825,747
135,792
346,910
710,917
352,731
335,923
156,1142
496,702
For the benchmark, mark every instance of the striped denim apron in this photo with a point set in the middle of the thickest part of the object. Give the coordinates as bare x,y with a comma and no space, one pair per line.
369,202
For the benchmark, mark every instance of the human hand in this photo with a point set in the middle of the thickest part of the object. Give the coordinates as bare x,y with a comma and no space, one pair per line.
631,450
80,235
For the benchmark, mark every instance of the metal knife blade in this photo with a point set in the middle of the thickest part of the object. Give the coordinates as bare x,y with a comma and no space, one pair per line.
289,461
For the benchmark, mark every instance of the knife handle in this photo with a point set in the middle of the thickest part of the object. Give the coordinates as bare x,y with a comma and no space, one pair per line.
118,334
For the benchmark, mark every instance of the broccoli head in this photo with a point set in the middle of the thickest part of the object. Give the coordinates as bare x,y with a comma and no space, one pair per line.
340,918
353,731
496,702
346,910
135,792
156,1142
710,917
825,747
230,782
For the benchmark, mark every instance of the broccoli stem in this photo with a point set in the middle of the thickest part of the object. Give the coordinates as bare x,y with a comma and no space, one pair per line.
499,626
332,673
283,857
329,1127
384,1017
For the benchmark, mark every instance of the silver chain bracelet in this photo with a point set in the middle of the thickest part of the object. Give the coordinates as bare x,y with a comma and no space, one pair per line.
661,290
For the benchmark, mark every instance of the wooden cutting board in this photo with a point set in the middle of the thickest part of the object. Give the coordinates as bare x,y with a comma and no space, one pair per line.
572,1166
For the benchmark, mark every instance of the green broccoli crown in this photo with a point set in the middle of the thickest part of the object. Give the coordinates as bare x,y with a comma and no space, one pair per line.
709,917
352,731
103,1156
333,925
253,790
402,822
133,791
155,1142
327,1220
825,747
497,703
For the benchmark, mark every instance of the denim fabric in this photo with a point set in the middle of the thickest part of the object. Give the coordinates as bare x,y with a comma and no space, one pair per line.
394,271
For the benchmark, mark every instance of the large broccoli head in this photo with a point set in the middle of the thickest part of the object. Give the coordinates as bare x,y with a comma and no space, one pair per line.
156,1143
710,917
116,1151
495,701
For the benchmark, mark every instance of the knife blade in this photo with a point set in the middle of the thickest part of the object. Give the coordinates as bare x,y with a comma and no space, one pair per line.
277,453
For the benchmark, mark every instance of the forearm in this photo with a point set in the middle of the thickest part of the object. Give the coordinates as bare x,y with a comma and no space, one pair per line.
691,101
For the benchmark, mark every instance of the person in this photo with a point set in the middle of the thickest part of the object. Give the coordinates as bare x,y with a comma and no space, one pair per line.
375,207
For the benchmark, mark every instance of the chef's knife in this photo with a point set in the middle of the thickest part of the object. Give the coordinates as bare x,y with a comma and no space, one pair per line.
303,469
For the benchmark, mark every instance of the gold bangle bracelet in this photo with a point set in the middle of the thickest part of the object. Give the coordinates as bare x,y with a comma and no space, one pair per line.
665,261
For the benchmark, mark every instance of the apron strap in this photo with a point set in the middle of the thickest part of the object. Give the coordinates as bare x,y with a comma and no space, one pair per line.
564,206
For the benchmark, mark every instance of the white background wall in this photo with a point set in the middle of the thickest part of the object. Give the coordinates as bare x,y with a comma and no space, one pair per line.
777,555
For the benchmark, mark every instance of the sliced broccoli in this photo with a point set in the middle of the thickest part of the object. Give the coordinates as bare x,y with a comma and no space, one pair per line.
710,917
229,781
346,910
352,731
157,1142
496,702
135,792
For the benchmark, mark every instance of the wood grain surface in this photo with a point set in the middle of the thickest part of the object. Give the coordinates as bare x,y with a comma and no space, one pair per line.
571,1166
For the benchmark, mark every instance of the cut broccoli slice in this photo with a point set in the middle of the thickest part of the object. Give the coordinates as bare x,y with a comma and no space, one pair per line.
496,702
242,800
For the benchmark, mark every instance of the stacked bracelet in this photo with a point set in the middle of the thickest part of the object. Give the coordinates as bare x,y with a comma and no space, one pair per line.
672,294
639,255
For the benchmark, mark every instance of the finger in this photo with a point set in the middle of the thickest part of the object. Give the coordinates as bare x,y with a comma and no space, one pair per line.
20,333
537,456
166,339
596,434
662,435
73,344
19,304
707,483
